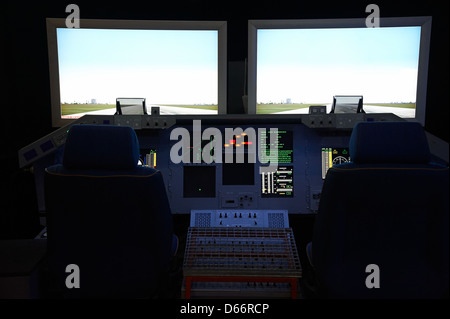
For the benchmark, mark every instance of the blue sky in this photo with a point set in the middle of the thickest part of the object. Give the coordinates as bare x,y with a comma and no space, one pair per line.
163,66
312,65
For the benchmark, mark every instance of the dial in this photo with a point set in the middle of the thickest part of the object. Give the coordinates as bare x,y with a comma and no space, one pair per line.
339,160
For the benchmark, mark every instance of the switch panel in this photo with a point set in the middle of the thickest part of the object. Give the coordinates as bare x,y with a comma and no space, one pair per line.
239,218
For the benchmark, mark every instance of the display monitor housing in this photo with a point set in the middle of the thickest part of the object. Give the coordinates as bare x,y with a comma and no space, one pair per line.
293,64
179,66
347,104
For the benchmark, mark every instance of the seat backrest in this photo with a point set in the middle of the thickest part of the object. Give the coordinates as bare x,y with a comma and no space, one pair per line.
107,215
388,207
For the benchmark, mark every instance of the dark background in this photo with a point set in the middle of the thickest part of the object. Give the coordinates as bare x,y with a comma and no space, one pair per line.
25,107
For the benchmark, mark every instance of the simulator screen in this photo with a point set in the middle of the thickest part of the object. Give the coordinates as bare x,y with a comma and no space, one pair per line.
297,68
176,70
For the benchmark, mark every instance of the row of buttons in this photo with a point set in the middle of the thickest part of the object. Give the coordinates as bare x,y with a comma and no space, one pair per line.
236,215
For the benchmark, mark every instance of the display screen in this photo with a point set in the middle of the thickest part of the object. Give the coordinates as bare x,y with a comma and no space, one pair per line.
332,156
238,173
148,158
176,70
238,167
279,183
283,144
179,67
300,67
199,181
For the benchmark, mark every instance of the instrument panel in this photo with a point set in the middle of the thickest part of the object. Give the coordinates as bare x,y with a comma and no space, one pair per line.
258,162
256,167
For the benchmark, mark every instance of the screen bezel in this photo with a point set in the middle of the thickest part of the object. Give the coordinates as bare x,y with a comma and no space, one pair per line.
425,37
54,23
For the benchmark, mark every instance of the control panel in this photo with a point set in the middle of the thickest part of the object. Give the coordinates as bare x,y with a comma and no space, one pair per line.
48,144
216,166
239,218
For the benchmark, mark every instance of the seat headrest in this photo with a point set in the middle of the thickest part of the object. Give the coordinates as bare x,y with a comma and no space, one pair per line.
101,147
389,142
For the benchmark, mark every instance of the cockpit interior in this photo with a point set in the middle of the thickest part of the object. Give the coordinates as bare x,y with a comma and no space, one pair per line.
242,157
